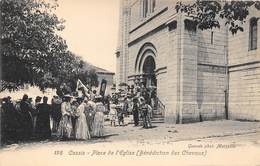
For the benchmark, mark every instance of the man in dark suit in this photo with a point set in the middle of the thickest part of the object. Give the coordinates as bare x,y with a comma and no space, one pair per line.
26,119
43,129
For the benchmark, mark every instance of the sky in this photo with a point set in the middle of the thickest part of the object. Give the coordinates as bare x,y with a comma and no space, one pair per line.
91,29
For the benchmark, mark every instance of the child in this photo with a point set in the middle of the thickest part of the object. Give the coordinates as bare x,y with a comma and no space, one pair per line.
120,115
112,115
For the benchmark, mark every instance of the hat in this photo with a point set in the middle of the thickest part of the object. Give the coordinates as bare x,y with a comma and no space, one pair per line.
5,99
135,99
112,106
45,98
39,97
118,106
68,96
87,96
98,97
80,98
141,98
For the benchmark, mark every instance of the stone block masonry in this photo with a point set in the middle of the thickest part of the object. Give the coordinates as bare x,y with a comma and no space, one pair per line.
201,75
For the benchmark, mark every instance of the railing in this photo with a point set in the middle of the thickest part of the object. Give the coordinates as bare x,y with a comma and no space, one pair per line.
160,106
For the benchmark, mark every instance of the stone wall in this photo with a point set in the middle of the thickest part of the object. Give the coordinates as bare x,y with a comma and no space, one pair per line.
188,74
244,75
212,76
202,80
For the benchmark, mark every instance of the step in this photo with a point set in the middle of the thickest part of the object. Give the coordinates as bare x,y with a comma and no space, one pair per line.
157,113
154,120
157,116
140,122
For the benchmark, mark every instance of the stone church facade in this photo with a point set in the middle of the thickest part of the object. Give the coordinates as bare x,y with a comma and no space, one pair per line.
199,75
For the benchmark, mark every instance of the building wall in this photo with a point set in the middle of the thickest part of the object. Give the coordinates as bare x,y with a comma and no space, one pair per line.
244,75
166,50
196,74
122,49
211,73
190,76
191,66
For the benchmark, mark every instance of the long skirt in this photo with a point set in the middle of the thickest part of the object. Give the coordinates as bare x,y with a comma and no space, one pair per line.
98,125
27,126
81,128
65,127
43,129
90,118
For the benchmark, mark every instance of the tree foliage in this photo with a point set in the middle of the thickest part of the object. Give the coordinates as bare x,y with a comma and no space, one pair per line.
32,52
206,14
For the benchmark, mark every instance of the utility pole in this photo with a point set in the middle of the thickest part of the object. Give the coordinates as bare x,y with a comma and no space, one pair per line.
226,82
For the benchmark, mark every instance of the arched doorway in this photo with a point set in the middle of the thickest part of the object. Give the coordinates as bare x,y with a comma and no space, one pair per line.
149,77
149,80
145,66
145,75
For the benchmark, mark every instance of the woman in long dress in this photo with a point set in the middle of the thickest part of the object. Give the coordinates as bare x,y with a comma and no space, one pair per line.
90,113
65,127
98,124
81,126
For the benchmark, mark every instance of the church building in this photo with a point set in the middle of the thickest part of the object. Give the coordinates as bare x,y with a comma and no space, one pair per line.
198,75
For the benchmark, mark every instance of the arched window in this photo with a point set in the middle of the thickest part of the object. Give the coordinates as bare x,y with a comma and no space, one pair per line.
148,6
153,3
253,34
145,8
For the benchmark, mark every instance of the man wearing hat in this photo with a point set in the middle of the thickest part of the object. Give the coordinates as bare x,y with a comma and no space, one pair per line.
145,109
8,121
56,112
135,110
34,112
26,119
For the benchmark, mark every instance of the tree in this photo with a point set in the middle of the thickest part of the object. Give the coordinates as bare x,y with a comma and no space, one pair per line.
65,74
206,14
32,52
30,45
73,69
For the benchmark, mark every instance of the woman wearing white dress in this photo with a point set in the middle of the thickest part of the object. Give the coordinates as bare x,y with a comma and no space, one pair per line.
65,126
98,124
81,127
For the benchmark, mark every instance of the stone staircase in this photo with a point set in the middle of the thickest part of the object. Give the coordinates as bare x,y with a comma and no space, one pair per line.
158,113
157,118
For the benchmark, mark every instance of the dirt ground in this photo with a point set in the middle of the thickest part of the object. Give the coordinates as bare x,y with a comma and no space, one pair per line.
206,143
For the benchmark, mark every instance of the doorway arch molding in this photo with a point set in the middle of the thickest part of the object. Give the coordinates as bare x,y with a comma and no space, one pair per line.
146,50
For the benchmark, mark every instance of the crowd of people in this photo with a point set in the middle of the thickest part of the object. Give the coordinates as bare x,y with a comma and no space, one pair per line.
139,102
70,117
